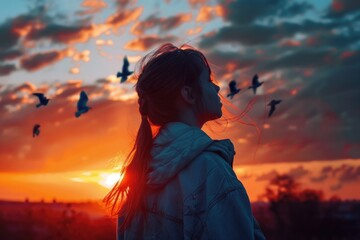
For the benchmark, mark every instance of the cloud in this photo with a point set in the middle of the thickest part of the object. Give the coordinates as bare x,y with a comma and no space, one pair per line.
80,56
39,60
259,34
9,38
124,3
267,176
349,174
207,13
10,54
343,174
71,138
304,58
295,9
165,24
92,7
147,42
243,12
298,172
6,69
58,33
341,8
124,17
30,29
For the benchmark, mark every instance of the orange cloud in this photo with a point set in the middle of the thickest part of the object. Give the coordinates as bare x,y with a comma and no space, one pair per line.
101,42
23,25
74,70
290,43
122,18
165,24
81,56
194,31
92,6
62,34
145,43
207,13
39,60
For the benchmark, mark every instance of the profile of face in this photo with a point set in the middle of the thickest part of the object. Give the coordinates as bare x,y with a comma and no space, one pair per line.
210,100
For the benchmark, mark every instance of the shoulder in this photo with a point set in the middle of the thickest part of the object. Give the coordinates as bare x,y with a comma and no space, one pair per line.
210,171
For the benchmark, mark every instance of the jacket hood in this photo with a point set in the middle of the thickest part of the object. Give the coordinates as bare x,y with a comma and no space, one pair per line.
177,145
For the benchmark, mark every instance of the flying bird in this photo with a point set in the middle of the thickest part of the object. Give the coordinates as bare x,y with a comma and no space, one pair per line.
255,83
233,89
42,99
125,71
36,130
81,104
272,105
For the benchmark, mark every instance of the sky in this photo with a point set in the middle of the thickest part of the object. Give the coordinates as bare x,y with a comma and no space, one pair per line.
307,53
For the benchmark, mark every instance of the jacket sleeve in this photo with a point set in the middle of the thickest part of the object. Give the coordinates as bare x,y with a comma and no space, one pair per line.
231,218
229,214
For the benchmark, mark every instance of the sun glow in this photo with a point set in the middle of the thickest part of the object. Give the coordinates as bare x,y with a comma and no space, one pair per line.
108,180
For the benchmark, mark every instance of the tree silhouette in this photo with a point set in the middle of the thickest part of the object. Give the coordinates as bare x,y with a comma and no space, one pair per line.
305,214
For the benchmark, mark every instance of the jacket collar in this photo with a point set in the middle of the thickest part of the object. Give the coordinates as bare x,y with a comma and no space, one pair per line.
176,145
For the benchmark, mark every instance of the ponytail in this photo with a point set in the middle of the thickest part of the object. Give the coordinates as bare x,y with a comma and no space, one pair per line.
126,198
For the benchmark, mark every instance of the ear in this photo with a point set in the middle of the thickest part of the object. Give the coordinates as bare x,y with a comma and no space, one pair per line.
187,95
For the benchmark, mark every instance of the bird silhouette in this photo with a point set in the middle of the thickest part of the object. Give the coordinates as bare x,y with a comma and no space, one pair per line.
42,99
255,83
125,71
81,104
233,89
36,130
272,105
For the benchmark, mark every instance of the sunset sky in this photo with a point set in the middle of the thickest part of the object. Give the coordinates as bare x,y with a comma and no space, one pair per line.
306,52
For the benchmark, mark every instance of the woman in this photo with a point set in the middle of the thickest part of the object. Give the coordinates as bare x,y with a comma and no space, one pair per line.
179,183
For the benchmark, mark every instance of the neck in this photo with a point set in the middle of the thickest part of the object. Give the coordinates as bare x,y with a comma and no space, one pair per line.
190,118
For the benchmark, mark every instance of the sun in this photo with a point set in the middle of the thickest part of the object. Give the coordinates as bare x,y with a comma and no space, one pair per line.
108,180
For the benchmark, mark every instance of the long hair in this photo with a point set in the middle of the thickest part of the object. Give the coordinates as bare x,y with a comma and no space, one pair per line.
160,76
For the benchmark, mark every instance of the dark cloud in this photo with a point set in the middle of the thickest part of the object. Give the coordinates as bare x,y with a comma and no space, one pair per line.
344,174
258,34
6,69
304,58
10,54
40,60
12,30
298,172
246,35
294,9
349,174
341,8
267,176
59,33
9,38
165,24
243,12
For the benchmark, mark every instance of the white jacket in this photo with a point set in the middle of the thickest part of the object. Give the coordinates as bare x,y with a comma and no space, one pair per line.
193,190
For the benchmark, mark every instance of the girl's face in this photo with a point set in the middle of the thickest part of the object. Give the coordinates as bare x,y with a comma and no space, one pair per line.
210,100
